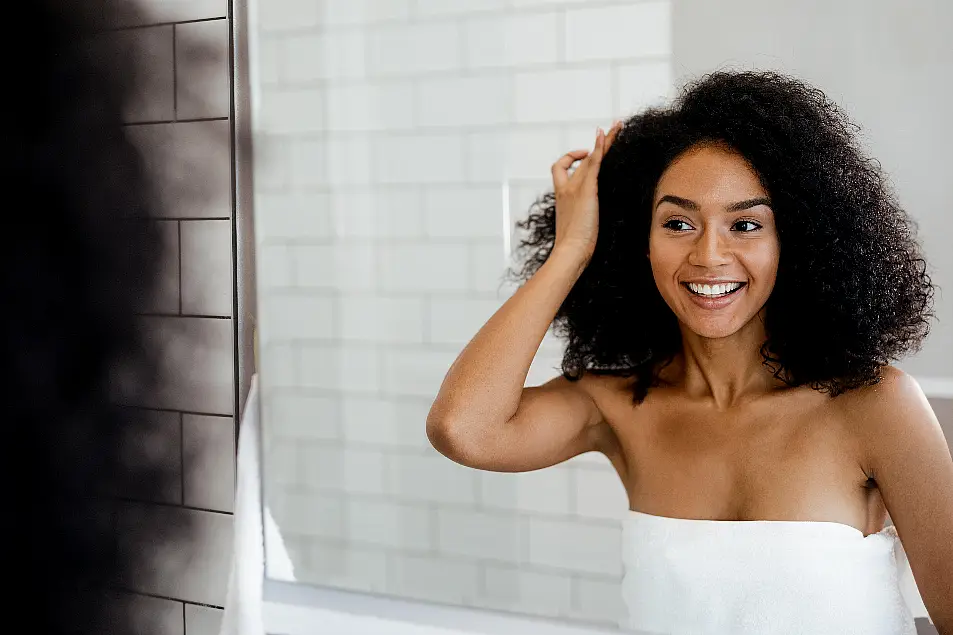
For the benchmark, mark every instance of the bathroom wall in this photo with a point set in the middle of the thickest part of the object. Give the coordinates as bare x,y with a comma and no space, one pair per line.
396,143
182,123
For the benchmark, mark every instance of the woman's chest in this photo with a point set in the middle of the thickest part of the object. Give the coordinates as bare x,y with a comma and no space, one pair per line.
783,461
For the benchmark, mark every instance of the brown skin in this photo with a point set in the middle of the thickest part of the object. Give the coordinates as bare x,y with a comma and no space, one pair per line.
722,438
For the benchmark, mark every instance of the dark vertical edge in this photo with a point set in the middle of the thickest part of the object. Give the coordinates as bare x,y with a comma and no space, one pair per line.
244,305
236,209
236,259
245,298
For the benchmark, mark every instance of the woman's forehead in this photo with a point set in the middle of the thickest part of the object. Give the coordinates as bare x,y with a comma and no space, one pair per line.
710,174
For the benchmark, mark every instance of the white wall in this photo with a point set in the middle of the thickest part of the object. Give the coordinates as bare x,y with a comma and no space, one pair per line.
395,141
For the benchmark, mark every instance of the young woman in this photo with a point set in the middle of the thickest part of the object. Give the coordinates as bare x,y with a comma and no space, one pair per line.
733,279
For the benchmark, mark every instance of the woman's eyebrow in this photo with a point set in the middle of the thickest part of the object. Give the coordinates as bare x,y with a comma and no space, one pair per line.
751,202
685,203
678,200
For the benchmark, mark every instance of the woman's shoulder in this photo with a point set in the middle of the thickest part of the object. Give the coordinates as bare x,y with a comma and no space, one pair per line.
894,385
885,408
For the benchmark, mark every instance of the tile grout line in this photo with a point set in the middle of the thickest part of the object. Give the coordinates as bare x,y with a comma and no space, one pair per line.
152,25
157,122
191,508
159,596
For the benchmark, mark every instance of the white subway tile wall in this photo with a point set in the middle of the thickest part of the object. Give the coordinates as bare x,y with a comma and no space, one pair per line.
346,566
390,524
434,578
180,123
517,588
398,144
542,491
595,599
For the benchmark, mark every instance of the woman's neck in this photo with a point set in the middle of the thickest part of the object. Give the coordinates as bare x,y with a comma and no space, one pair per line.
726,370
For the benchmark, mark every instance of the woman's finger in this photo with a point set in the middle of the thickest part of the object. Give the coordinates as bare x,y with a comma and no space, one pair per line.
561,167
595,159
613,133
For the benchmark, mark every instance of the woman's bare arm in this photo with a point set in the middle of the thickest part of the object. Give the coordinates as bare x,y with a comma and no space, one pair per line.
483,416
912,466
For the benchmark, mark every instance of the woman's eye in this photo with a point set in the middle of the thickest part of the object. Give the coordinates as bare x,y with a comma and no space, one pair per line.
677,225
746,226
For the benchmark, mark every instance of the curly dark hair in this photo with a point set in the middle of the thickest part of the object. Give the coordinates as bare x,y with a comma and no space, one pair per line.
852,291
81,258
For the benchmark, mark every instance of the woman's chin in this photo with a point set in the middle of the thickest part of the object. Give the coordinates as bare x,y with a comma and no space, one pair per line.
713,333
713,329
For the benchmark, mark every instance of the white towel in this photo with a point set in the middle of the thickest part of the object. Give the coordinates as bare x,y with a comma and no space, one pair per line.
712,577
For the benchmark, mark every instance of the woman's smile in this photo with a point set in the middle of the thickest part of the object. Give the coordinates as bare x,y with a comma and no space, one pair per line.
714,295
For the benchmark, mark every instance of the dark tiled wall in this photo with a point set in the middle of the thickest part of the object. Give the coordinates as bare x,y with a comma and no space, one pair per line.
182,123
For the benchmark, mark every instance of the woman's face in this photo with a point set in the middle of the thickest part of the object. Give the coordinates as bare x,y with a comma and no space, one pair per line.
713,243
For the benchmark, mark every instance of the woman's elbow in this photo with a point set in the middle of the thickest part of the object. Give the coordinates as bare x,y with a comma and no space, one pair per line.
443,436
454,440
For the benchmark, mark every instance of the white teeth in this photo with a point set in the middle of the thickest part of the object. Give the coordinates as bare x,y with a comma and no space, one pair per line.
714,289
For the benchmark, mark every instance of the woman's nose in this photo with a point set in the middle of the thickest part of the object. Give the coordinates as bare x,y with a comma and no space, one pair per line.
710,250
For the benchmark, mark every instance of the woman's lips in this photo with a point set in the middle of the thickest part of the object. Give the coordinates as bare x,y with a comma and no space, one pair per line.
716,302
